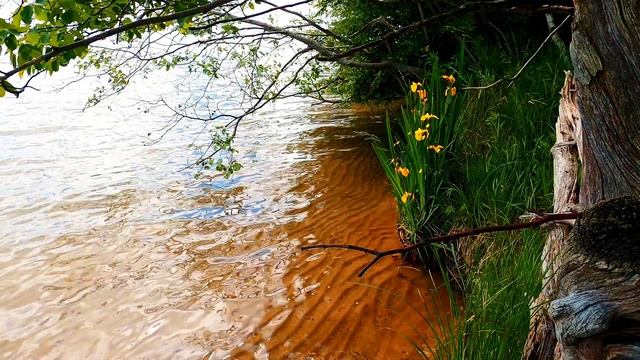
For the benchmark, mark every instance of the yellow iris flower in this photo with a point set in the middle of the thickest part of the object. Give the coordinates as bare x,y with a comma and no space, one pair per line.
414,86
402,171
405,197
449,78
436,148
427,117
421,134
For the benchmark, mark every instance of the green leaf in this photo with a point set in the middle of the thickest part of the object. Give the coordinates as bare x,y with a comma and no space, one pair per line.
230,29
41,14
53,40
15,21
184,21
7,86
69,55
24,54
81,51
44,37
32,37
66,38
67,17
68,4
55,65
11,42
26,14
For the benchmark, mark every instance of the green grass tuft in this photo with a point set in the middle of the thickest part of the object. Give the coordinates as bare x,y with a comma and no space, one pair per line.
498,167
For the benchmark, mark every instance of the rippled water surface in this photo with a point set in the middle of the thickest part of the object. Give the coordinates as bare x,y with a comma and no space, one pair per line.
112,249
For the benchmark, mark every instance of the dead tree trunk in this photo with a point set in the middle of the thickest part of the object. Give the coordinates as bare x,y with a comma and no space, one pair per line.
542,339
589,307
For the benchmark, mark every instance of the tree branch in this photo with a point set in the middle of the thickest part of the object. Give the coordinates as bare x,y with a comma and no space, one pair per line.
498,5
117,30
378,255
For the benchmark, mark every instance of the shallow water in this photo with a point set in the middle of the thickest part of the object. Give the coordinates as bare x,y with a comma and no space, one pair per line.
112,249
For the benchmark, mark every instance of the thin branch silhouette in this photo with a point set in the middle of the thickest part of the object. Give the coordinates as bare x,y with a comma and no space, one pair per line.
538,220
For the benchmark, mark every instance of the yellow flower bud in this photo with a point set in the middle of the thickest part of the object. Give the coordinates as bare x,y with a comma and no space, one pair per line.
451,91
422,94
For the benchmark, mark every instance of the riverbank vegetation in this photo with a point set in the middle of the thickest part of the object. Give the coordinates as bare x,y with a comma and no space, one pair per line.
477,158
494,167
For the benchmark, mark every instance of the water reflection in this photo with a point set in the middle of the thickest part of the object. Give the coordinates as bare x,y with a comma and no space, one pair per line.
109,250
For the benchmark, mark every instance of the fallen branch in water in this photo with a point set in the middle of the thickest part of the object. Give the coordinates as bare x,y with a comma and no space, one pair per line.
537,220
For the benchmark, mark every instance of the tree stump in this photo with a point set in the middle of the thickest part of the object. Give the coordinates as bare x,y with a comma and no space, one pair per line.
542,339
596,312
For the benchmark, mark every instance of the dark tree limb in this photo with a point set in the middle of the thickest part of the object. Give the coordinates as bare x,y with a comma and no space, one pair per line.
466,8
378,255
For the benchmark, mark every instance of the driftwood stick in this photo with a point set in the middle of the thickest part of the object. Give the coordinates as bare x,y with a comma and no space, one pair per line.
378,255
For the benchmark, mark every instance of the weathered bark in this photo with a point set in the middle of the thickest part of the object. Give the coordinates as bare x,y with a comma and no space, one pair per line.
542,340
596,309
605,51
590,305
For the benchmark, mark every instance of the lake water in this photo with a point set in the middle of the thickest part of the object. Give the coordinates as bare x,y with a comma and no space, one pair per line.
111,249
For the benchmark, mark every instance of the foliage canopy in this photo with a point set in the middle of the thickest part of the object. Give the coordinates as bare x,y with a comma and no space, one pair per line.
357,49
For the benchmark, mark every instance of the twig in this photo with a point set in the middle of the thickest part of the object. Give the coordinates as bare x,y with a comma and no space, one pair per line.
551,24
424,24
549,37
540,220
485,87
517,75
